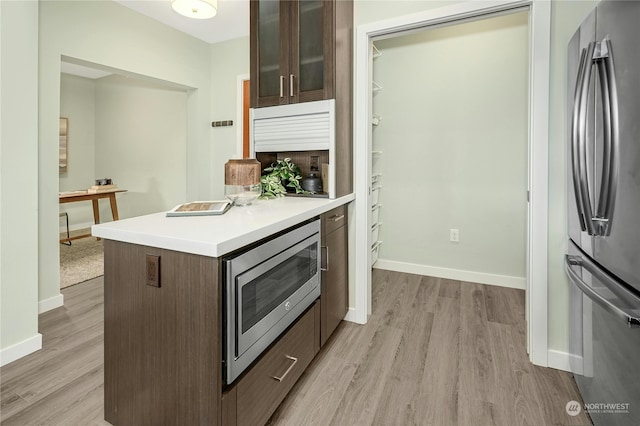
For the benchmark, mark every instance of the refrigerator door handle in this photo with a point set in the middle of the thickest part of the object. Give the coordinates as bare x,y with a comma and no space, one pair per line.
630,318
578,140
606,72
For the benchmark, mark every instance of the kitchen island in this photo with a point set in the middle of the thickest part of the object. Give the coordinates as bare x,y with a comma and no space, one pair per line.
218,235
164,322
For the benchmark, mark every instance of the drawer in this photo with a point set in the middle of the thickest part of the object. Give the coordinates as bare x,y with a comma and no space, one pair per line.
264,387
334,219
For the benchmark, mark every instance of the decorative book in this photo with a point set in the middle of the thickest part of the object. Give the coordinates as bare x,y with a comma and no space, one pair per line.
95,189
200,208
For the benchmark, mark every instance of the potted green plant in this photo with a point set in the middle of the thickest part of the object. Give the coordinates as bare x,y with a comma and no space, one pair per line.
282,174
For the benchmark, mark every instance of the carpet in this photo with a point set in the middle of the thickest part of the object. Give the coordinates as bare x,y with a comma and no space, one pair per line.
81,261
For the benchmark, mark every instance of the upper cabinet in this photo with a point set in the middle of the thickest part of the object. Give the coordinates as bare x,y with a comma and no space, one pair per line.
292,51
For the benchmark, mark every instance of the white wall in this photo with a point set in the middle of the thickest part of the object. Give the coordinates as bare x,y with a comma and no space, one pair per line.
454,132
367,11
18,180
108,34
148,158
229,60
77,103
141,143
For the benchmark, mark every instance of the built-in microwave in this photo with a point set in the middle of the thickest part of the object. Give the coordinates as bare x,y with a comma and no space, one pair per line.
265,289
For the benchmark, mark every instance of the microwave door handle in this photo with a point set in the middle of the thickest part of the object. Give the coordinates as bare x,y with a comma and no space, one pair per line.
608,185
570,262
575,139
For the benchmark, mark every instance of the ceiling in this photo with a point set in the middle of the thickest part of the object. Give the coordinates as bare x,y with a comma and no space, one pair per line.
232,20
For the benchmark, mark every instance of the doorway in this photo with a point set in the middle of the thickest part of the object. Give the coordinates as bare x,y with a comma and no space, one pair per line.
115,132
536,253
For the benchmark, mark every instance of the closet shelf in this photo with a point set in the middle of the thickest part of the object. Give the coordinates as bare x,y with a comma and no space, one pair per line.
376,52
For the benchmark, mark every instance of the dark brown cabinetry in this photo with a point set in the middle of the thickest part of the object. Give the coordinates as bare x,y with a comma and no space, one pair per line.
161,344
292,51
302,51
163,337
334,297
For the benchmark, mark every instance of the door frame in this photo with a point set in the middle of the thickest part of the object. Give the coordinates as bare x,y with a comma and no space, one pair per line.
240,118
538,176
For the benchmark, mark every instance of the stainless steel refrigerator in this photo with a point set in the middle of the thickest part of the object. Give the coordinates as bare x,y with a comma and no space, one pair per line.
603,261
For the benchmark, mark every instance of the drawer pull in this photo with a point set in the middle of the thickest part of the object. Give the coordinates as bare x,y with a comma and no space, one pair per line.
281,378
336,217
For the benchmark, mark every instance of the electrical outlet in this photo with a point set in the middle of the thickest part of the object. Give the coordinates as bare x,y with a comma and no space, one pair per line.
313,163
454,235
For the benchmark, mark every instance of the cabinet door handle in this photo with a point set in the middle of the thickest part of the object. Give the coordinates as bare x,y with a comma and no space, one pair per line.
291,77
282,86
336,217
326,256
281,378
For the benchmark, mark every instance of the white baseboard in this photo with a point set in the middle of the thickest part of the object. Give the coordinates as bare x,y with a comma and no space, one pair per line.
453,274
50,303
353,316
564,361
20,350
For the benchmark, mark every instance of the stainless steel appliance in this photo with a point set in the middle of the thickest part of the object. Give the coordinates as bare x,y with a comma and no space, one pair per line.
266,288
604,211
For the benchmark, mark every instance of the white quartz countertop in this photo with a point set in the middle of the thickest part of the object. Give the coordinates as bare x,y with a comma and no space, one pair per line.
217,235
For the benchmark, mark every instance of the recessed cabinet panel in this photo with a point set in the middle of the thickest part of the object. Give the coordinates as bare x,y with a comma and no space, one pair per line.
269,47
311,49
334,298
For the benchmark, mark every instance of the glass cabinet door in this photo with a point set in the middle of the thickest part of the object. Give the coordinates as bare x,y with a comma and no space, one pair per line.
313,50
270,72
292,50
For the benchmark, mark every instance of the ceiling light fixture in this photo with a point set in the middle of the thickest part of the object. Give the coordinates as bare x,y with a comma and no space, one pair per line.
198,9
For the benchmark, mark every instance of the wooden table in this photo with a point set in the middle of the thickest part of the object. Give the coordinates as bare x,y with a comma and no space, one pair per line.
72,197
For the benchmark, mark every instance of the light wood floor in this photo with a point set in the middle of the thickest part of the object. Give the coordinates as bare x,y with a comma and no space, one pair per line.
434,352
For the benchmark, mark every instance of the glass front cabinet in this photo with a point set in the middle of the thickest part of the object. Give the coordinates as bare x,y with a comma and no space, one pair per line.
292,51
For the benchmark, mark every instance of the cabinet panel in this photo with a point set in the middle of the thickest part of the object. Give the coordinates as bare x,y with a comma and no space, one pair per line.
334,297
162,344
310,45
312,52
270,46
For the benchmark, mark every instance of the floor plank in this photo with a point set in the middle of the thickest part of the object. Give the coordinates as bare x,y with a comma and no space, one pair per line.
434,352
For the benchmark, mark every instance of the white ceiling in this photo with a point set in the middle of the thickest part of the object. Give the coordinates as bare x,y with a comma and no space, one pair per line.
231,21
